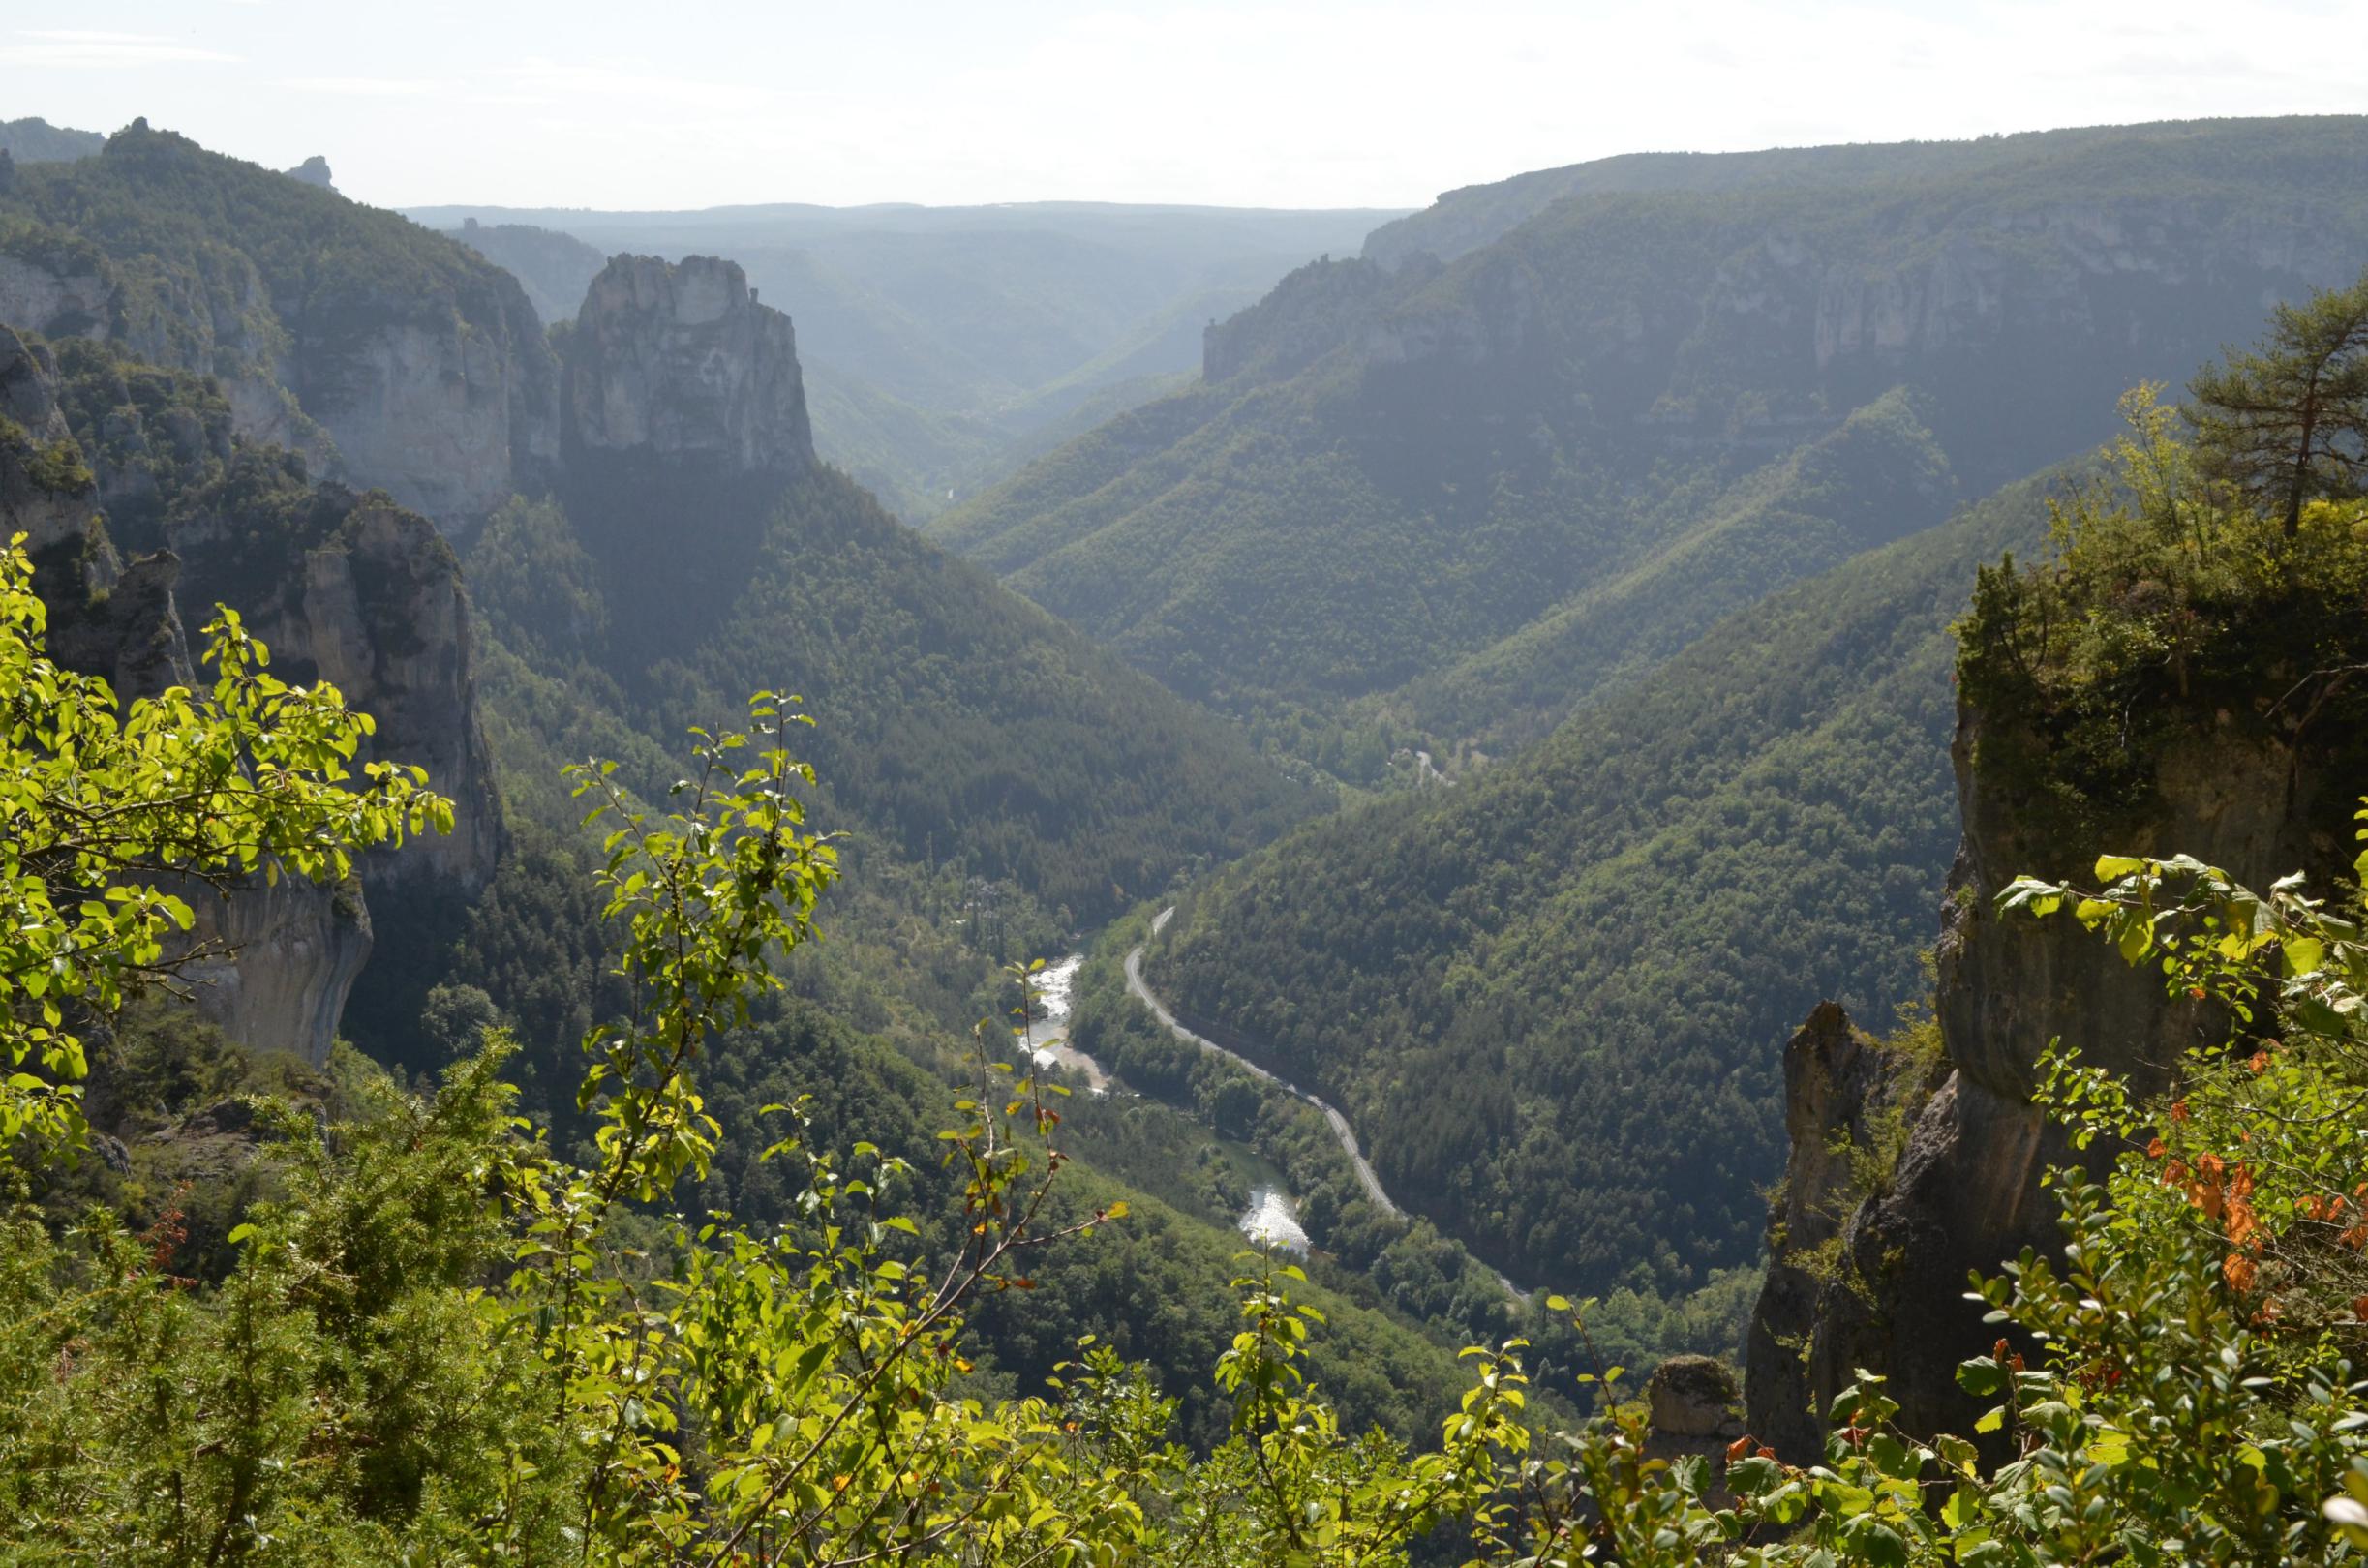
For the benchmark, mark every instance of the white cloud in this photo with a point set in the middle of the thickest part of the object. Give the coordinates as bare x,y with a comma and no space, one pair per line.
363,86
623,82
70,48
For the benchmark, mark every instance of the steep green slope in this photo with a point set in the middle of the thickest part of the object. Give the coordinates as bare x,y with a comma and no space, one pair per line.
965,741
190,232
1387,473
1550,1000
391,356
1880,471
983,764
953,720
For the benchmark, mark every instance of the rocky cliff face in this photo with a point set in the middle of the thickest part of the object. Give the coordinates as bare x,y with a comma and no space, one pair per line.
354,591
680,363
1695,1413
1879,1279
47,493
1308,313
389,356
446,419
2021,310
376,607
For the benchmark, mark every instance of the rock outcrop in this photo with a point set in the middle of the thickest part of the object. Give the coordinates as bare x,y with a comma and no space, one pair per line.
1833,1078
680,363
390,356
282,960
2246,791
352,589
47,493
379,611
1696,1412
314,170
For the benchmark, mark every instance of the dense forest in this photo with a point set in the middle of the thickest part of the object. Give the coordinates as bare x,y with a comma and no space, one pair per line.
954,722
336,1384
1387,473
1483,978
525,887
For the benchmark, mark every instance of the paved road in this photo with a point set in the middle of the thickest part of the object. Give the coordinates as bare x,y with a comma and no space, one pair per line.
1339,1123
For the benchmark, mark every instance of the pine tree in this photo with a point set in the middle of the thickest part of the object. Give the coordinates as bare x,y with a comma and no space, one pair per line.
2288,422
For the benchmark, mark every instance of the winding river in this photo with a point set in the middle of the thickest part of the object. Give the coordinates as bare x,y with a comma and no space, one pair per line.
1339,1124
1272,1220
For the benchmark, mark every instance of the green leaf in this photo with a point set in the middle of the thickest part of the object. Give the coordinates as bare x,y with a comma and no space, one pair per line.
1876,1543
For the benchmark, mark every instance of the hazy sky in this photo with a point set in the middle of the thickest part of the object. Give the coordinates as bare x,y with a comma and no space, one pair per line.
1281,103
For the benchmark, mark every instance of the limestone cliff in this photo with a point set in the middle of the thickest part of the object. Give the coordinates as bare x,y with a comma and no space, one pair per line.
352,589
390,356
47,493
2230,774
682,364
1693,1407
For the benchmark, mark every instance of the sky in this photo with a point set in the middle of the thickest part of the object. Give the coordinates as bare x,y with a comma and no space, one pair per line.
591,103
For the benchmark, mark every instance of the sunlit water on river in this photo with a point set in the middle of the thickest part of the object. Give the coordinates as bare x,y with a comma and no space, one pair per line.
1055,983
1272,1223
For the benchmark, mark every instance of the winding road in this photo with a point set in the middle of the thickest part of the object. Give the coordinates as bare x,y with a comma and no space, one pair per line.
1338,1123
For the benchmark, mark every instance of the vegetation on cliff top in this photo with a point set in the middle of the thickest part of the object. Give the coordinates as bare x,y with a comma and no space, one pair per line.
216,265
2227,575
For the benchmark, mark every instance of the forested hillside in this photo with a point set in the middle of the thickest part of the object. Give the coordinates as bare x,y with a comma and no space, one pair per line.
1551,998
950,345
1389,474
388,355
955,722
998,770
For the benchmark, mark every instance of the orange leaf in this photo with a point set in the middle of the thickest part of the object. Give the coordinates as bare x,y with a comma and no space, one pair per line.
1742,1445
2239,1271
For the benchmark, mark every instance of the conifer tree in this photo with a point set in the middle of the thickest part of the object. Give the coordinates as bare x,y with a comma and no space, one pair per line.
2288,422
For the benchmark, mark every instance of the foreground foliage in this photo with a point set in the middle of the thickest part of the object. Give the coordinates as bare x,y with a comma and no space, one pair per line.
110,815
443,1341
